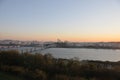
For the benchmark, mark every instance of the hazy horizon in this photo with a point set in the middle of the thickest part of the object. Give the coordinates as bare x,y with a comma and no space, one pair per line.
71,20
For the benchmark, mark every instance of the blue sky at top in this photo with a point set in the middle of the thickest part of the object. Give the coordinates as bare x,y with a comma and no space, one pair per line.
73,20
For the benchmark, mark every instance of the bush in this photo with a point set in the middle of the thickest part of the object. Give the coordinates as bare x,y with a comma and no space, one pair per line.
46,67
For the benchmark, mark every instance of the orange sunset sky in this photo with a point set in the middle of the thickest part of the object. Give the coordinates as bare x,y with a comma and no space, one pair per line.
70,20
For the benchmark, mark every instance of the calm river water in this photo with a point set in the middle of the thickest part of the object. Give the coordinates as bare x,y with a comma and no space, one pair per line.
81,53
85,54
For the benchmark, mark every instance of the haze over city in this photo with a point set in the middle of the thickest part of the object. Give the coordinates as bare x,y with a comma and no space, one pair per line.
72,20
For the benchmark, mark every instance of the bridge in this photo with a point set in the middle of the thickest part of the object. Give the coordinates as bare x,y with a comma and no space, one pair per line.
33,49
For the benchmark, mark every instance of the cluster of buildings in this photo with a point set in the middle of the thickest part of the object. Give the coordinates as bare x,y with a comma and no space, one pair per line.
17,43
59,43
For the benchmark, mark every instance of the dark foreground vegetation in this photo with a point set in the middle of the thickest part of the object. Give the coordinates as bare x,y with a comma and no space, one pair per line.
45,67
6,76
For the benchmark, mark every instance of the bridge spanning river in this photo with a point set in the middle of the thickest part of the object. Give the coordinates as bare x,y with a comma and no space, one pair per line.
29,49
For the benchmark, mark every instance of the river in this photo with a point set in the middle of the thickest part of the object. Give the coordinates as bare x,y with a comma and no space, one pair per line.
81,53
84,54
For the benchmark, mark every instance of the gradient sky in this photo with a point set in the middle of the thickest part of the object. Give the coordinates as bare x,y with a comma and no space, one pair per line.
72,20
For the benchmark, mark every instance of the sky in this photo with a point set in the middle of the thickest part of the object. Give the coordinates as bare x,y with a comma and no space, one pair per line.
71,20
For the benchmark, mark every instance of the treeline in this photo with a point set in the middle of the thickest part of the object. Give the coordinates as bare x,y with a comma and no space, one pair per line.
93,46
46,67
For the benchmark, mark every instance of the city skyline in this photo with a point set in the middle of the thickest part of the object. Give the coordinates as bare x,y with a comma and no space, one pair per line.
71,20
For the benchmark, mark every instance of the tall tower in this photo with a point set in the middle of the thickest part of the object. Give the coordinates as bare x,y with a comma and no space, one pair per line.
59,41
